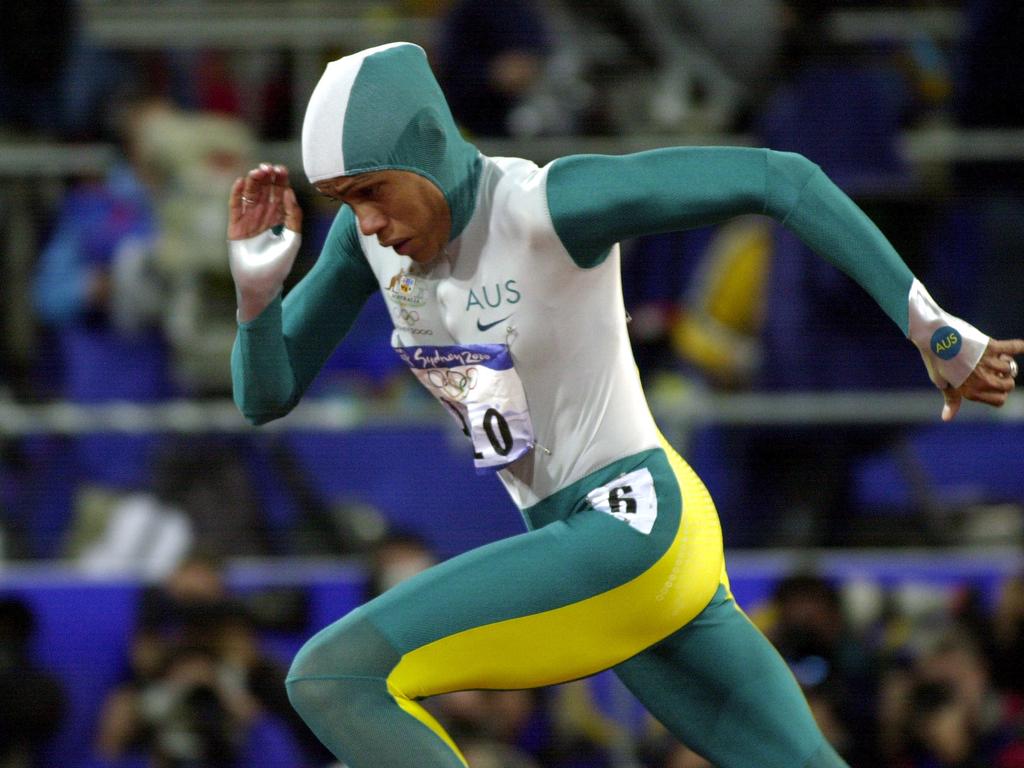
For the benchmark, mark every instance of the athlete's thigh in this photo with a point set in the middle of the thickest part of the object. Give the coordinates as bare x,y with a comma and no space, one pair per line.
572,598
721,688
517,613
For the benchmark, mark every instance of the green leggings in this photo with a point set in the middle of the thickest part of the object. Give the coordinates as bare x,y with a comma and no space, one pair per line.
582,592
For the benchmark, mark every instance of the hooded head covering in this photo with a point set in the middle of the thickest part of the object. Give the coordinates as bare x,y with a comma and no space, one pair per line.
381,109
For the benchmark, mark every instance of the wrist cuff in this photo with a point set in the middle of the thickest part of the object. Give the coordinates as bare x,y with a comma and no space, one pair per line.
259,266
951,347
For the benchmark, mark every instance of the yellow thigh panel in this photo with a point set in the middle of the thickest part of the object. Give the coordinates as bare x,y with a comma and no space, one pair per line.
588,636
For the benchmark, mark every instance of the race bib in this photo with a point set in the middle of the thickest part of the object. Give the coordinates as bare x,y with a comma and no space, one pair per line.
630,498
478,385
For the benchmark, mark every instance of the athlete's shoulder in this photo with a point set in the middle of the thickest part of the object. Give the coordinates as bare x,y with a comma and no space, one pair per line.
516,192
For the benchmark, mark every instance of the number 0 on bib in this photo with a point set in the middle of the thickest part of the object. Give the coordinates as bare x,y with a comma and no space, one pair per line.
479,386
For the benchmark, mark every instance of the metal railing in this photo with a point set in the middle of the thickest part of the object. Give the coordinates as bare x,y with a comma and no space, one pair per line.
685,409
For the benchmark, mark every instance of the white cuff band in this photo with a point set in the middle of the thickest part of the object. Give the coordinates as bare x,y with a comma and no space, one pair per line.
951,347
259,266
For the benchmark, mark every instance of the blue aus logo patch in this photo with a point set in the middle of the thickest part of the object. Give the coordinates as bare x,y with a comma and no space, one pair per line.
946,342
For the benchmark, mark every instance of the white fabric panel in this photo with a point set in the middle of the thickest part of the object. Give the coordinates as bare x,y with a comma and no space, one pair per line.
951,347
507,279
323,129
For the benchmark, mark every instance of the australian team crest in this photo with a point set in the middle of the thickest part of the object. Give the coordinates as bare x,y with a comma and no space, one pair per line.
406,290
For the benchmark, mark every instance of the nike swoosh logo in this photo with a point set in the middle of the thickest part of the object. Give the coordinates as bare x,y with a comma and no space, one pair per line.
486,327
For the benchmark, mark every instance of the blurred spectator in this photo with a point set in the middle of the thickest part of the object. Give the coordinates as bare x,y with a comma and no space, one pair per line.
940,709
137,534
809,629
318,527
137,261
88,267
488,725
134,286
202,693
208,479
959,662
719,322
940,731
84,356
180,611
195,714
525,729
954,716
195,158
489,57
201,495
32,700
399,555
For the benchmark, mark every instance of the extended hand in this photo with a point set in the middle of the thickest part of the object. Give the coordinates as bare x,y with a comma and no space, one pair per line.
260,256
262,199
991,380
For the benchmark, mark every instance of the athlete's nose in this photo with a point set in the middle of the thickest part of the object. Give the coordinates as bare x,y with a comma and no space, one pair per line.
371,220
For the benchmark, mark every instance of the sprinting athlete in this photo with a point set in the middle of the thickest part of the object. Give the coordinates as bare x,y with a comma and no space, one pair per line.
503,282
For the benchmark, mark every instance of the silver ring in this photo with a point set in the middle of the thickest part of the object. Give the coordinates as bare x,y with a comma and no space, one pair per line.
1014,370
248,200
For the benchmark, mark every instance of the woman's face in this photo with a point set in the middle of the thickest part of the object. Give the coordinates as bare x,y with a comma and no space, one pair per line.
404,210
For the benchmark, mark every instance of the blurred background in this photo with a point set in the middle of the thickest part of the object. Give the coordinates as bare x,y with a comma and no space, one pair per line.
161,561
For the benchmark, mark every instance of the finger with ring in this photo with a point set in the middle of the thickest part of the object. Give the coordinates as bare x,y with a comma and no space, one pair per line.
1014,370
248,200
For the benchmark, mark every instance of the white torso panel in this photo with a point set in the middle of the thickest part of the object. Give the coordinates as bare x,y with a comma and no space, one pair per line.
508,280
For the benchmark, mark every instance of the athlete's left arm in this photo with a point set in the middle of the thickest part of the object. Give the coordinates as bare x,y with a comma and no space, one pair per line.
596,201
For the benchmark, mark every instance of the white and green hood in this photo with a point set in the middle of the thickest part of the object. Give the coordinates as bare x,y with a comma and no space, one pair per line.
382,109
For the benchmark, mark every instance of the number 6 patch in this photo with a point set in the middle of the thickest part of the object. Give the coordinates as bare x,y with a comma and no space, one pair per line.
630,498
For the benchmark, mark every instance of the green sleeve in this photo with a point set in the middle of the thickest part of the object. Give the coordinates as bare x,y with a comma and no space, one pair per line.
278,353
596,201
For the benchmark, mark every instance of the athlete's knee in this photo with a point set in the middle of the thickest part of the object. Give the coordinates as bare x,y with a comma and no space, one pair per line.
351,646
352,649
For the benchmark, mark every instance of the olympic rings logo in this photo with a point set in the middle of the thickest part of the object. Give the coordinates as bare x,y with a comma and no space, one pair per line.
452,382
409,317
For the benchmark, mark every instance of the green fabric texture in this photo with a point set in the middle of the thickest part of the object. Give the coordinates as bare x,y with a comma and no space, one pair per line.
338,684
337,681
596,201
397,118
720,687
587,553
832,225
270,367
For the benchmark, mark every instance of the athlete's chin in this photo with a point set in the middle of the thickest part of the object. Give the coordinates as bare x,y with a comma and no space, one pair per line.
423,254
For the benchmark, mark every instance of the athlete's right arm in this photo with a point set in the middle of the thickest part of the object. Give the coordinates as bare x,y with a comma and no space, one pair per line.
280,349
